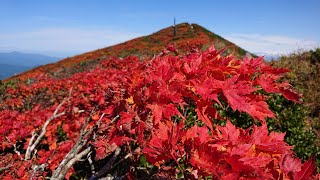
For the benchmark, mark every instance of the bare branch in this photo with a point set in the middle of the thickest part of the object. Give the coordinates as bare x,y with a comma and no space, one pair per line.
74,154
108,166
99,121
114,119
65,167
91,163
33,144
41,168
121,160
111,163
33,135
14,148
36,169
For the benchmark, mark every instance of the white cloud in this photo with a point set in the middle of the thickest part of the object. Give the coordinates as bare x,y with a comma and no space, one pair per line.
64,40
71,41
271,44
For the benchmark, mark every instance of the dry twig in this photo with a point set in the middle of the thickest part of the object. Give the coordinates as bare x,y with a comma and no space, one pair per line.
34,143
15,148
108,166
75,154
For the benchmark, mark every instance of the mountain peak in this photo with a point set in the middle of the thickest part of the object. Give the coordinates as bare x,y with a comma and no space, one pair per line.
182,36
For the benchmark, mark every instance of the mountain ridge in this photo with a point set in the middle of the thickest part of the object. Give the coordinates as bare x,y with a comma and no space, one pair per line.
187,35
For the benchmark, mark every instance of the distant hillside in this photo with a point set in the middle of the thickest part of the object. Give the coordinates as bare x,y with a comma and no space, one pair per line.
304,76
187,35
16,62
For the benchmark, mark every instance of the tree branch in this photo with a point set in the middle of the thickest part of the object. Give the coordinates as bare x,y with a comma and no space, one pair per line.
37,168
91,163
63,168
33,144
14,148
108,166
74,154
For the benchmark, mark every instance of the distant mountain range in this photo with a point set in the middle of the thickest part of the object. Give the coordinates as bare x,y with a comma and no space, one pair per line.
268,56
13,63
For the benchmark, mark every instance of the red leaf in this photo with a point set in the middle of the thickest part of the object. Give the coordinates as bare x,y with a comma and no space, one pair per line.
229,132
157,151
164,144
260,110
21,171
156,112
166,111
271,143
260,161
205,110
268,83
307,170
120,140
208,89
164,71
291,95
237,94
95,117
197,135
125,119
240,97
170,110
101,101
290,164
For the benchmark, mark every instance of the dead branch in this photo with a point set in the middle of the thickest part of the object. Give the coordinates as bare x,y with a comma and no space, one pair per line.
114,119
99,121
108,166
33,144
40,168
121,160
37,168
90,160
63,168
74,154
111,163
14,148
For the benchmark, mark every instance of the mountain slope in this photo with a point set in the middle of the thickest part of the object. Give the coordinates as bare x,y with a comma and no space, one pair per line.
187,35
158,114
305,69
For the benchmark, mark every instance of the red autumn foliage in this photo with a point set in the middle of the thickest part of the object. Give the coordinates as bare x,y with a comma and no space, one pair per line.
140,107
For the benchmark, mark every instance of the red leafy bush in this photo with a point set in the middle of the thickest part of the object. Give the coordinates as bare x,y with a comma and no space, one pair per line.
143,109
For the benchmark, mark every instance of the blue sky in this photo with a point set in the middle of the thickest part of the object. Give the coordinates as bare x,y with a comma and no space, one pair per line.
68,27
